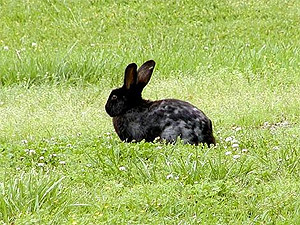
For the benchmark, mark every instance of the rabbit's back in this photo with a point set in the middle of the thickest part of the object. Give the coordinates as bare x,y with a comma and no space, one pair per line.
177,118
167,119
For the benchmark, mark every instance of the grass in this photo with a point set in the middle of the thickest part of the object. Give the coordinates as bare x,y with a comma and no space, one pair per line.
62,163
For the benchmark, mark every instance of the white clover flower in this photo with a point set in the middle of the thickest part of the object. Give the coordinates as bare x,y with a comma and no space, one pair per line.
169,176
42,158
62,162
244,150
157,139
236,156
234,141
238,128
228,139
18,168
122,168
235,145
24,142
41,164
53,155
31,152
205,48
228,153
34,44
168,163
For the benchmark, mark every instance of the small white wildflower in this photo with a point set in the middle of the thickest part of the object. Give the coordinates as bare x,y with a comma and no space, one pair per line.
238,128
228,139
120,185
168,163
93,45
156,139
244,150
89,165
34,44
6,48
228,153
42,158
234,141
279,160
169,176
236,156
18,168
235,145
79,134
26,150
276,148
41,164
159,147
122,168
54,155
31,152
205,48
62,162
24,142
247,44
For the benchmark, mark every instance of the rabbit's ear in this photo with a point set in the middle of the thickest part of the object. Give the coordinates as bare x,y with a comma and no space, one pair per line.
144,73
130,76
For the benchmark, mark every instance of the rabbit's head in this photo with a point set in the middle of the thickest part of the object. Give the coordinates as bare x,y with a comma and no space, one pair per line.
130,94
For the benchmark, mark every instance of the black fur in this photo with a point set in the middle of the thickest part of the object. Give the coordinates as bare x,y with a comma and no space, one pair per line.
137,119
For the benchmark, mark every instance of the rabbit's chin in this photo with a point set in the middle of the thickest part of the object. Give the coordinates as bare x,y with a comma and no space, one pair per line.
115,109
112,113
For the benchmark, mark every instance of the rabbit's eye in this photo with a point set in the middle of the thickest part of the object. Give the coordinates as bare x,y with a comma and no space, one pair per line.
114,97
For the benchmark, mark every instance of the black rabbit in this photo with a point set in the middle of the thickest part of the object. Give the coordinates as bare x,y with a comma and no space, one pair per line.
137,119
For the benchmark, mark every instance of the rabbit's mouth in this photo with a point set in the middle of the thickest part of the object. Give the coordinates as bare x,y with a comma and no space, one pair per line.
115,109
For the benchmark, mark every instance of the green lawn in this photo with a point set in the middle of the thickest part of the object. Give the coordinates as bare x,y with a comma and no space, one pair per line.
60,159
